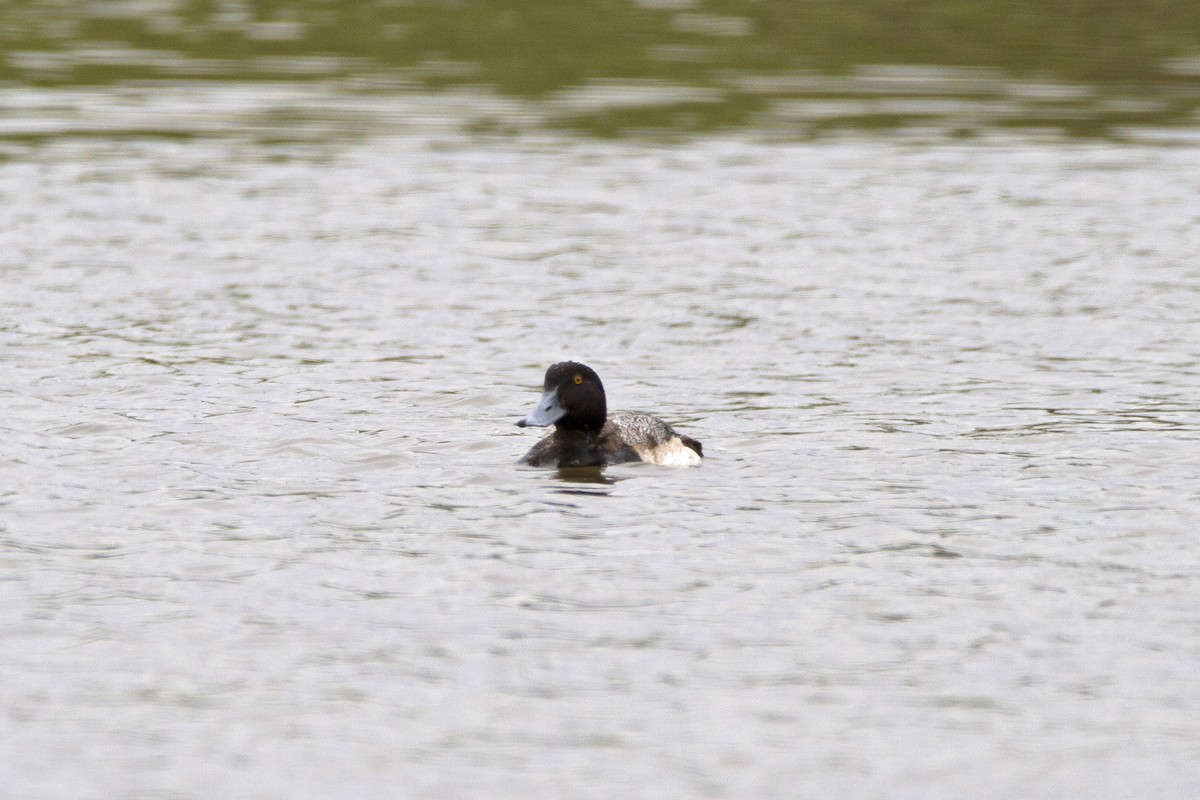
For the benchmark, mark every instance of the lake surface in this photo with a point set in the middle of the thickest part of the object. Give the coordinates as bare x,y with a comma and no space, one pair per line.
795,66
263,534
276,280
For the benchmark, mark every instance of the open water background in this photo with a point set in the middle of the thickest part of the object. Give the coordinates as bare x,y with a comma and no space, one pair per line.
262,534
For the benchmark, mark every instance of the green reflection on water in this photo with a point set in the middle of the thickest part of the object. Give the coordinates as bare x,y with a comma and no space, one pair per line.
612,66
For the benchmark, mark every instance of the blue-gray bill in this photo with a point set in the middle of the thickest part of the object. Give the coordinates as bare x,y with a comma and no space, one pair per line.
545,413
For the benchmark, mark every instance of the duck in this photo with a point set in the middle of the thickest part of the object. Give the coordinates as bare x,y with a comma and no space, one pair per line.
585,433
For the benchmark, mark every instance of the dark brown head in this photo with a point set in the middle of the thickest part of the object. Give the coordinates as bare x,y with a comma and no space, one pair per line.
573,398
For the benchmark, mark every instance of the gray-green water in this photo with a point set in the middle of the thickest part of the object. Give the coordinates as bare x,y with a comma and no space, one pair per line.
798,67
277,279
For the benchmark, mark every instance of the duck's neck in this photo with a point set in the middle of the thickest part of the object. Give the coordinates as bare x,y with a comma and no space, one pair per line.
575,430
584,423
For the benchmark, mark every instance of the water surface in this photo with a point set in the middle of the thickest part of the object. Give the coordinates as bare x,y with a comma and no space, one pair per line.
797,67
263,534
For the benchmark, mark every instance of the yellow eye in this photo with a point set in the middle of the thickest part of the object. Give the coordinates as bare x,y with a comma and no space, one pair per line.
578,379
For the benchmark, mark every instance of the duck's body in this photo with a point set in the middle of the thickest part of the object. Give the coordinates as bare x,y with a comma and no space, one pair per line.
585,435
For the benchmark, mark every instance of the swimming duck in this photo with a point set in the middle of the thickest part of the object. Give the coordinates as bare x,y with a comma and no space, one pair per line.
586,435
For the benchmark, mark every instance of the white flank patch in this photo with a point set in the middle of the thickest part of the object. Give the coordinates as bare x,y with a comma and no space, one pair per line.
671,453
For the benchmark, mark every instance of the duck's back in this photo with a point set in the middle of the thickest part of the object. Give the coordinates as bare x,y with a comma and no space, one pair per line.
652,439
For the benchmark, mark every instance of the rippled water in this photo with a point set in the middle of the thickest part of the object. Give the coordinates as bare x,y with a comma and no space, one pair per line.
796,66
263,534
